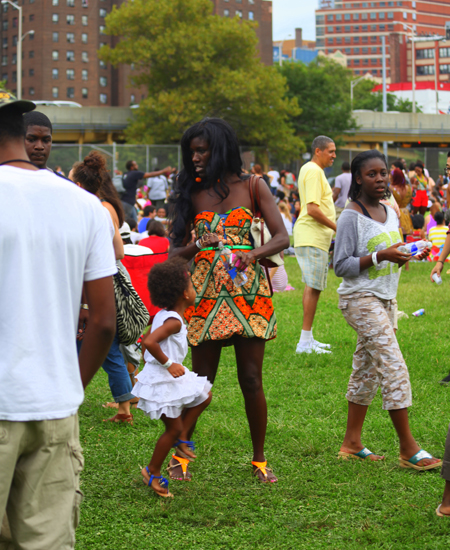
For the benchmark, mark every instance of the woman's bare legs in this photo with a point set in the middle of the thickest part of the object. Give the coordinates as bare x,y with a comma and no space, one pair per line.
249,359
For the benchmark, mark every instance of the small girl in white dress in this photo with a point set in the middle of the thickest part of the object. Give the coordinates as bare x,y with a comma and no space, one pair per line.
165,387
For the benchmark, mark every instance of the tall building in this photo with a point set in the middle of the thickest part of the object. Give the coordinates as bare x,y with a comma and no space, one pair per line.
59,60
253,10
356,28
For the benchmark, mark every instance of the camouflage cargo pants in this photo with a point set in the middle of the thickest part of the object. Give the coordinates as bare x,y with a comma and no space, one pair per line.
377,360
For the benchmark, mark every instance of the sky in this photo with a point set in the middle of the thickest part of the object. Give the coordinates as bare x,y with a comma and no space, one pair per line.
289,14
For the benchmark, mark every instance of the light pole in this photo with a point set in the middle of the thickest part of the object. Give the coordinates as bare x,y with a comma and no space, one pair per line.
19,48
413,65
353,83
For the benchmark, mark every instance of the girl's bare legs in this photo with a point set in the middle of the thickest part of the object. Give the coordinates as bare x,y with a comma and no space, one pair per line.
173,430
190,417
352,439
445,505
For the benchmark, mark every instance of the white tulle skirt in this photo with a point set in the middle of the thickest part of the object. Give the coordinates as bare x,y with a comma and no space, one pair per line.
160,393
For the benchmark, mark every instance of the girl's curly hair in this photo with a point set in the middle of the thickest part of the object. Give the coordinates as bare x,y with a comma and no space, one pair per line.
167,282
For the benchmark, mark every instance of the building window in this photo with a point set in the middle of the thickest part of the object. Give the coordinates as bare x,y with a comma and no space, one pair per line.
14,76
4,60
356,62
444,52
132,97
84,37
356,51
414,16
405,15
31,54
365,61
382,27
31,91
70,93
14,59
330,41
14,22
348,40
31,72
239,13
425,69
84,93
14,41
102,64
71,3
373,39
365,50
329,29
339,40
338,29
330,18
70,74
5,77
55,74
365,39
103,12
31,18
356,39
70,55
55,55
348,51
425,54
373,50
71,37
374,61
5,10
443,69
373,28
347,17
103,81
84,3
70,19
55,36
364,28
55,92
84,74
102,29
347,28
381,15
390,15
55,2
338,17
5,24
84,57
5,43
251,16
390,27
226,13
84,20
103,98
356,17
364,16
55,18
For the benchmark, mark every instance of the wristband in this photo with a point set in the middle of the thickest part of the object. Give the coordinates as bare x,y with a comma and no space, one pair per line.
440,261
168,364
199,243
374,259
84,306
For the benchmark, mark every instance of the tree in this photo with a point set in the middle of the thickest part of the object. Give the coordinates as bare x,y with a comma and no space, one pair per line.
322,89
365,98
195,64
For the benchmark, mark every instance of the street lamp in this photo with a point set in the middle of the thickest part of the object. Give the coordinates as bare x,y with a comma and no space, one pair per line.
353,83
19,47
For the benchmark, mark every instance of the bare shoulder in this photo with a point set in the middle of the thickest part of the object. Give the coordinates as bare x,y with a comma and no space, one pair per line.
112,212
353,206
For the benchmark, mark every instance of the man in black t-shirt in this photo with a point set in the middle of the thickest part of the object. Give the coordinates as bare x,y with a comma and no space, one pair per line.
131,181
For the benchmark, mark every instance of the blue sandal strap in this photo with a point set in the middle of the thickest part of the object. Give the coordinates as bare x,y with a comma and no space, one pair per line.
190,444
363,453
419,456
164,481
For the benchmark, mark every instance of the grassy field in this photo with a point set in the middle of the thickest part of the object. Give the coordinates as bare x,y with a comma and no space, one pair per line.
319,502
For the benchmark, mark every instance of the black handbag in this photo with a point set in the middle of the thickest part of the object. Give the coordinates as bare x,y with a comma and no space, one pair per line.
132,315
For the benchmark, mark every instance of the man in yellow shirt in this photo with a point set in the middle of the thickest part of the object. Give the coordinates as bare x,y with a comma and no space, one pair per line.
313,232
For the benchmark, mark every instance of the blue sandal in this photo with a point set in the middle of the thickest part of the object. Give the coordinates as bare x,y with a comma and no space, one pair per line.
191,446
362,454
164,483
412,462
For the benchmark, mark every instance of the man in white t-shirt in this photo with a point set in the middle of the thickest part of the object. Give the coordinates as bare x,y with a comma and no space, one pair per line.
341,188
63,242
274,180
157,190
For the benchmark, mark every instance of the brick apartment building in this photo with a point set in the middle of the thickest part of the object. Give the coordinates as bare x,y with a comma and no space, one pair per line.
59,60
356,28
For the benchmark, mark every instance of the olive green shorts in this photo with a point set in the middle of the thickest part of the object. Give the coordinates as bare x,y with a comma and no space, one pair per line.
39,484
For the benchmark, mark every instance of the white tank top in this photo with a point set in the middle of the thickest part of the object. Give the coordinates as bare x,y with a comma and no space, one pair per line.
176,345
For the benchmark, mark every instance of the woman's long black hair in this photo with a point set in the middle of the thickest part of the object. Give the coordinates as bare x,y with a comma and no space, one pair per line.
225,159
357,164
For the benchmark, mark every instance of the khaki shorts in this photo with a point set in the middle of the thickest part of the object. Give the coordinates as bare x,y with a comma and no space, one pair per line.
39,483
314,265
377,360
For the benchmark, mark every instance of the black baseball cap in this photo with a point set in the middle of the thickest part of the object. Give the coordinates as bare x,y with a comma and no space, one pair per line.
21,105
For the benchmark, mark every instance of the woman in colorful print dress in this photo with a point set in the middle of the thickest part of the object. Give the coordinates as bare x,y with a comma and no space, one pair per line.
212,197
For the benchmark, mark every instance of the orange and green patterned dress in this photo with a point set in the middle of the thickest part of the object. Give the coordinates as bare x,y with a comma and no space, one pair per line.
221,309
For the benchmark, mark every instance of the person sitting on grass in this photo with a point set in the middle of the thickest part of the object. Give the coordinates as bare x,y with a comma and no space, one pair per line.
367,256
166,389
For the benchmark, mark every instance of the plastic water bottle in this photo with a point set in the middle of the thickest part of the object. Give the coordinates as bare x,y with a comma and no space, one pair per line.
419,312
238,277
415,248
437,279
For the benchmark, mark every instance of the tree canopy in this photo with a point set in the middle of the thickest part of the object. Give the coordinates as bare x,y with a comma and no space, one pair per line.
364,98
322,89
195,64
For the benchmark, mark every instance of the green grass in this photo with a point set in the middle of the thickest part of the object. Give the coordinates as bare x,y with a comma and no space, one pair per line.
319,502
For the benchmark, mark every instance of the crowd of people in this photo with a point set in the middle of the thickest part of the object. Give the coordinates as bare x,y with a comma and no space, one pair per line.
178,253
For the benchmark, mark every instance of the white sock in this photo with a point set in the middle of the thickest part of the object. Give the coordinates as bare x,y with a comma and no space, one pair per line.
305,337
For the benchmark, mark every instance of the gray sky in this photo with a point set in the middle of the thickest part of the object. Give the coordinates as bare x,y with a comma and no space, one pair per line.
289,14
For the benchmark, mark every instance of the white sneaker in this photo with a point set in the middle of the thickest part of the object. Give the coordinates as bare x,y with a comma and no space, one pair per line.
320,345
310,348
